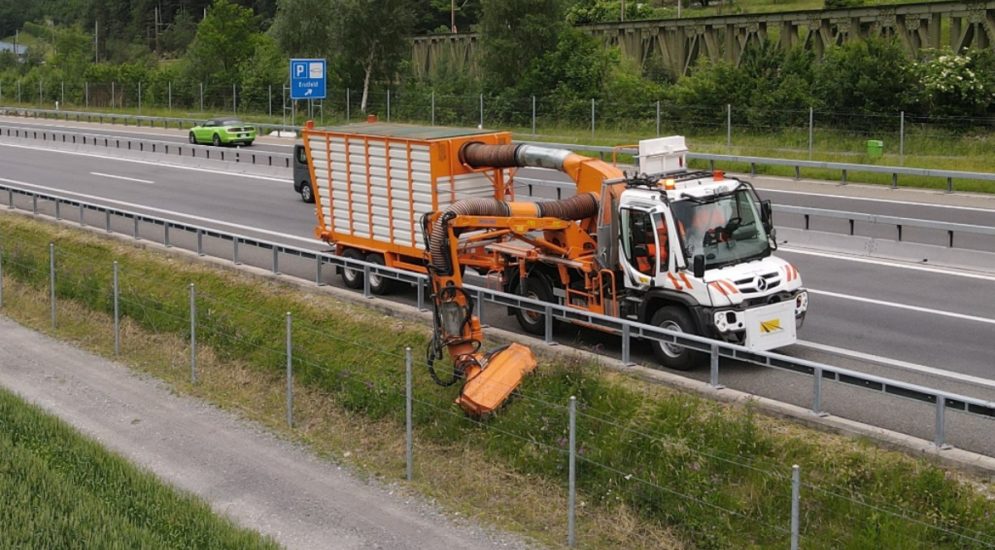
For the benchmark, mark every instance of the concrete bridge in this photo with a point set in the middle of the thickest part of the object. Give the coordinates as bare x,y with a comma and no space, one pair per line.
677,43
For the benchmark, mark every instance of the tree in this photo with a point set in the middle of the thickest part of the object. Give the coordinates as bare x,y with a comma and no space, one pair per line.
305,28
869,77
371,37
513,35
223,42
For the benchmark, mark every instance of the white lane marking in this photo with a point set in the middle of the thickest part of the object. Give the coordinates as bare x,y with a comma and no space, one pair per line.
888,201
55,190
904,306
888,362
112,176
150,163
937,270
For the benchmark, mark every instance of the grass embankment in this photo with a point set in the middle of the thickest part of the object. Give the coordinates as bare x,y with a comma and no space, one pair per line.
657,468
61,490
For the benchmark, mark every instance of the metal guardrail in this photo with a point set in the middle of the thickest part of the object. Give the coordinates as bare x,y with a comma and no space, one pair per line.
142,145
941,400
808,213
844,168
118,118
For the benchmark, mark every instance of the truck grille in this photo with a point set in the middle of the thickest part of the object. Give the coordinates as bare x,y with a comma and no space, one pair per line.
748,285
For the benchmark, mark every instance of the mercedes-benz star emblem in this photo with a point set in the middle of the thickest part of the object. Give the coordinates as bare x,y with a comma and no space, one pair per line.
761,284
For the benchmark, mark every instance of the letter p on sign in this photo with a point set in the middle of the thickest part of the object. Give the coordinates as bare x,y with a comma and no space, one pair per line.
300,70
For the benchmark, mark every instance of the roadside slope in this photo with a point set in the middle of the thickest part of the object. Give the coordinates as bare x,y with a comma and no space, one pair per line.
257,480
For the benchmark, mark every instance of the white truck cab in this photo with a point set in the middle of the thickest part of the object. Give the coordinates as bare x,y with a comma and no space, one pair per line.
696,251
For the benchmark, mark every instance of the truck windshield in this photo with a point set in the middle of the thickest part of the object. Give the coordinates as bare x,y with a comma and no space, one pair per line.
726,229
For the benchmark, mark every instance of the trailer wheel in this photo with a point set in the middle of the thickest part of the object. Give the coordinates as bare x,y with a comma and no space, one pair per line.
379,284
536,287
353,278
672,356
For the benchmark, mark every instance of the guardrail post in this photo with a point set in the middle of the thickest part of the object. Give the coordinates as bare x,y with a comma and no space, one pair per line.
817,393
795,505
843,182
82,222
421,295
713,361
193,334
940,428
51,280
572,474
480,308
366,281
894,180
950,185
58,209
34,205
318,261
117,312
549,326
627,345
290,372
408,416
10,199
135,234
200,242
276,261
235,251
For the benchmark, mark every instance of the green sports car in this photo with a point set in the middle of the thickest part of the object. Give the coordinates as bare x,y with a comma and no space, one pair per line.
223,131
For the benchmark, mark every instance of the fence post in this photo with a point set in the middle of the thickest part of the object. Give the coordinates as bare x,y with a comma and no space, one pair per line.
269,98
347,106
290,372
388,104
533,115
901,138
729,125
234,104
811,131
433,107
795,490
139,97
572,473
193,334
658,118
51,279
117,312
592,117
201,84
62,94
169,94
481,111
408,416
113,93
86,94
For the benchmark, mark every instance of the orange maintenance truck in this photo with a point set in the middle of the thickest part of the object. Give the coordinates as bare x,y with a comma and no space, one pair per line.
687,251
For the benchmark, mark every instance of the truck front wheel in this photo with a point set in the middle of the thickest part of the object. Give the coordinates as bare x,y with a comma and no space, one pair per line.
672,356
535,287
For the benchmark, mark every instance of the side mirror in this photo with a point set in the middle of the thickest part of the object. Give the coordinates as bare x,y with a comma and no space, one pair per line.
767,212
698,266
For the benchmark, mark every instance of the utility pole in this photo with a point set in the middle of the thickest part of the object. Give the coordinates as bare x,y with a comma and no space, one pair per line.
622,17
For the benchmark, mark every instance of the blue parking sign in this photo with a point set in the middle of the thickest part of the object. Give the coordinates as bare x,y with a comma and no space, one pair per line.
307,78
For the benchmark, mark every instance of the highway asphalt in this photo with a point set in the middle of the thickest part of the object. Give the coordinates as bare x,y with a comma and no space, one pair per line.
898,312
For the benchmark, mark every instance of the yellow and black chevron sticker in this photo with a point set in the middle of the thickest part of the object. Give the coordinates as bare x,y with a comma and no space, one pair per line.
770,326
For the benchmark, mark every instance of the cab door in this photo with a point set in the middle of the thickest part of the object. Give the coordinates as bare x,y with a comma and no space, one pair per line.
641,248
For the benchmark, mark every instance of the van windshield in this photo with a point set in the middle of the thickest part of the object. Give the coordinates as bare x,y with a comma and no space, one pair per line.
725,229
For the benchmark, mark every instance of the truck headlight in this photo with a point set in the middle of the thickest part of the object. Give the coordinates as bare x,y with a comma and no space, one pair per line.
801,303
726,321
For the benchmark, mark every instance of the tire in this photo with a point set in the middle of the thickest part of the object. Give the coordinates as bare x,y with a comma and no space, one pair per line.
678,319
352,278
307,194
216,140
193,138
248,143
536,287
379,284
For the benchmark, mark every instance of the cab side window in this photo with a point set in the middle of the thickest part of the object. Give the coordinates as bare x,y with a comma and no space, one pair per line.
639,240
301,154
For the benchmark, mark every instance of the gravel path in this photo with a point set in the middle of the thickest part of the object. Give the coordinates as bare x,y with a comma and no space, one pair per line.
240,470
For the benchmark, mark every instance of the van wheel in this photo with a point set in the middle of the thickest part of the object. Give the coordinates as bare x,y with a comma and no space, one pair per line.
352,277
379,284
536,287
307,194
672,356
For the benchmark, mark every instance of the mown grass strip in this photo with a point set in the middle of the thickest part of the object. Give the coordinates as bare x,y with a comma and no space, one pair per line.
61,490
655,465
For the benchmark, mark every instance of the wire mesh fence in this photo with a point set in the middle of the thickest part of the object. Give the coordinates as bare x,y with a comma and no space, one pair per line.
726,128
716,481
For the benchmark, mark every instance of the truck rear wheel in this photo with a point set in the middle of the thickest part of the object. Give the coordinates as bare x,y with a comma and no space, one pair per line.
536,287
672,356
353,278
379,284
